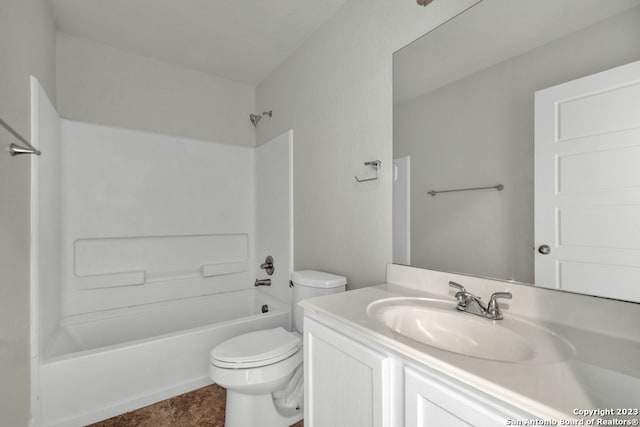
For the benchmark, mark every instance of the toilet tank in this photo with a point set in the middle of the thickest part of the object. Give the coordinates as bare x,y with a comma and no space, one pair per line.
309,284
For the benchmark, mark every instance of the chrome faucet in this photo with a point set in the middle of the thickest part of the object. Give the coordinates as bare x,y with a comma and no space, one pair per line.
267,265
263,282
470,303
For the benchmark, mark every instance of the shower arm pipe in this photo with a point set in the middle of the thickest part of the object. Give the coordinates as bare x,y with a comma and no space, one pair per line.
15,149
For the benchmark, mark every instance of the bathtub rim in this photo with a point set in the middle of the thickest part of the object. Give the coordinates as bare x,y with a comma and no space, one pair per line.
279,307
134,375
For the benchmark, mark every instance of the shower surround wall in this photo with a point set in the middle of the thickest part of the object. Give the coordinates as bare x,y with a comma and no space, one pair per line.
149,217
46,194
144,254
274,211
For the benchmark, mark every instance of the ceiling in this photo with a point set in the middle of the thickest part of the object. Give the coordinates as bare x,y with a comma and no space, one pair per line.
243,41
487,34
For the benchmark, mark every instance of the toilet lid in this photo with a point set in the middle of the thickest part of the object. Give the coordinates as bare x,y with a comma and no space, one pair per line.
258,348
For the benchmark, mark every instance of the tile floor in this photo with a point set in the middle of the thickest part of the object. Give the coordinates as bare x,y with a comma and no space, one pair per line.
200,408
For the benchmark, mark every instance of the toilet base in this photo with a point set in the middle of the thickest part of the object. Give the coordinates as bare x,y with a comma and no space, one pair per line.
263,411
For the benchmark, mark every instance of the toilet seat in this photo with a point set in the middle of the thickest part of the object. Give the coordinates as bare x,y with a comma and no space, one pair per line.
255,349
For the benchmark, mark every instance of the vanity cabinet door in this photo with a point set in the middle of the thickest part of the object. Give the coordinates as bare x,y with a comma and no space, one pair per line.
346,383
429,403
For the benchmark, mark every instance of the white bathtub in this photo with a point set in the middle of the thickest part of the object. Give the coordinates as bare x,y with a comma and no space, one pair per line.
104,364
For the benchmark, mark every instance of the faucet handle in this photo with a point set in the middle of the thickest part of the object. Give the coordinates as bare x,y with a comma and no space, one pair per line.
493,309
457,286
268,265
462,295
506,295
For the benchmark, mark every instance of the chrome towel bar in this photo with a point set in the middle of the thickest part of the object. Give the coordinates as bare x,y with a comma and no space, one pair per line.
498,187
15,149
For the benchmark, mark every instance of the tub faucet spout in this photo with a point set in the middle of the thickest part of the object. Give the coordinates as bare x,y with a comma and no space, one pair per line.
263,282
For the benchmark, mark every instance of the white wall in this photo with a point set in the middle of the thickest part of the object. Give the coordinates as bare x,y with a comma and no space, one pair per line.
336,93
143,213
274,212
491,233
27,46
100,84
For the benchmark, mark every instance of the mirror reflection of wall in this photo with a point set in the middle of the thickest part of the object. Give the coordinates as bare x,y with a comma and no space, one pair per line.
464,114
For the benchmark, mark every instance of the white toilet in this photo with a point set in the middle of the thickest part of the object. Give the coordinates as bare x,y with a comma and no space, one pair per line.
262,371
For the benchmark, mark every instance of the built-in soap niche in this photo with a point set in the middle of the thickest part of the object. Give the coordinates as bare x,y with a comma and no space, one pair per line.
131,261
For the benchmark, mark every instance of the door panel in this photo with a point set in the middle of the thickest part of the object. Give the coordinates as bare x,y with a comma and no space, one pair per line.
346,383
430,404
611,108
587,184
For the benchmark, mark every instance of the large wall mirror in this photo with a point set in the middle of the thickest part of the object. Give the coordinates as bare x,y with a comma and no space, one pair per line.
539,102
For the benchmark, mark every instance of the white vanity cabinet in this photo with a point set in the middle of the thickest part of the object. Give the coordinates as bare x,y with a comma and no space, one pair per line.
431,402
351,382
346,383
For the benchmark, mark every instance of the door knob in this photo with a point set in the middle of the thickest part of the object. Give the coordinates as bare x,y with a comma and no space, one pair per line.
544,249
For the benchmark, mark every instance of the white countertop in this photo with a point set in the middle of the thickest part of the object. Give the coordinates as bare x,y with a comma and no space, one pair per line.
603,373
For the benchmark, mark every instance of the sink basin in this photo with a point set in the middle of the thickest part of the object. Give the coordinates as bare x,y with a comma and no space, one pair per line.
437,323
457,332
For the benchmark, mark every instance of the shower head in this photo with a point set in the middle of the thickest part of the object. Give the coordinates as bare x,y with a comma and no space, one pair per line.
255,118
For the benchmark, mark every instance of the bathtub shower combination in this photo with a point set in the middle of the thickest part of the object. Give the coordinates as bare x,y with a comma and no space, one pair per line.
145,250
135,357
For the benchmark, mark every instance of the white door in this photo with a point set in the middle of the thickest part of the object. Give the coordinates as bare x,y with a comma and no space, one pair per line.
587,184
401,211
